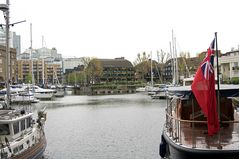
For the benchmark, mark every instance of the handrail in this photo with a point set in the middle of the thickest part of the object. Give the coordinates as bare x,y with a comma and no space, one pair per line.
199,121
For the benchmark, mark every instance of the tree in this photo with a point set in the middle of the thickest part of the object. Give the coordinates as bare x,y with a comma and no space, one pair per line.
80,78
94,71
28,78
141,65
182,65
141,58
71,78
86,61
162,56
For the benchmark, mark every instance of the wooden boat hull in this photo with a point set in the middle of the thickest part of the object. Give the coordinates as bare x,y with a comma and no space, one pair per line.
173,150
35,152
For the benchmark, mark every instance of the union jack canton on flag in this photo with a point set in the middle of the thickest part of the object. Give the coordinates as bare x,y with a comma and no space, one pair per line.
207,65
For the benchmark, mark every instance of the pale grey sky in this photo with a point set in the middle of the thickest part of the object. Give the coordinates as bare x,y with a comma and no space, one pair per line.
114,28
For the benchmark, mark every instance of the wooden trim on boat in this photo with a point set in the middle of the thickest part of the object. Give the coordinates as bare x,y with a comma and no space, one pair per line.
35,151
198,121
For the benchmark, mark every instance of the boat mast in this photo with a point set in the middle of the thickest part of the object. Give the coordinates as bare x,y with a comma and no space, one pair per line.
218,82
8,62
172,68
43,72
32,71
152,80
176,62
174,59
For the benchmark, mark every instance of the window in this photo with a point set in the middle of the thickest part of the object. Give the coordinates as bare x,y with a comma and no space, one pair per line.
15,150
20,147
28,120
4,129
235,64
16,127
23,124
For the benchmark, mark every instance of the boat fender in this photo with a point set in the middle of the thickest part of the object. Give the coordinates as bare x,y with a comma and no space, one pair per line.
162,147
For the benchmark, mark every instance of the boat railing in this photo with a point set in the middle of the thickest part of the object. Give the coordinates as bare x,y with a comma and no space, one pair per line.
193,133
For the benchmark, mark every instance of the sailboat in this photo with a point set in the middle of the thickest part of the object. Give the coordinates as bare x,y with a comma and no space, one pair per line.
59,90
152,88
21,136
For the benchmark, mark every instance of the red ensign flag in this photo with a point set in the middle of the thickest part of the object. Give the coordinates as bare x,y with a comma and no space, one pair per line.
203,88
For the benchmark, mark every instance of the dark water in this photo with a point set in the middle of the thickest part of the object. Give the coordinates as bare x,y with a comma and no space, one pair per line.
103,127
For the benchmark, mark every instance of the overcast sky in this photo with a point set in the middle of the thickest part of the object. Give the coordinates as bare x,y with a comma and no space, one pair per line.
115,28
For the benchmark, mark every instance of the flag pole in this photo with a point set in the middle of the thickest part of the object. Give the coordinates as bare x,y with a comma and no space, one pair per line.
218,82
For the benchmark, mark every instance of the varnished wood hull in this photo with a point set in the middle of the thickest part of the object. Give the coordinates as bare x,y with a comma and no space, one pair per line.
177,151
35,152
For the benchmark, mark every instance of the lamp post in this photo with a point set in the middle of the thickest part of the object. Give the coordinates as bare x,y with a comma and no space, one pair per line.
5,9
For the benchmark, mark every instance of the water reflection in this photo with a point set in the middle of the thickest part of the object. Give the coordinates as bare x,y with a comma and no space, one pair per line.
100,127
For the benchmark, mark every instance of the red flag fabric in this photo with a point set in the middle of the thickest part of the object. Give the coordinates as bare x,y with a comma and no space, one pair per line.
203,88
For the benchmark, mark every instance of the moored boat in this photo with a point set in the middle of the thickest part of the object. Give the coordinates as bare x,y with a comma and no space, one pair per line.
185,133
22,97
18,95
59,90
161,93
21,136
201,119
41,93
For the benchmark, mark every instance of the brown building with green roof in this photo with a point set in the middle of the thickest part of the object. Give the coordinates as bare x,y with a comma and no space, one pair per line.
118,69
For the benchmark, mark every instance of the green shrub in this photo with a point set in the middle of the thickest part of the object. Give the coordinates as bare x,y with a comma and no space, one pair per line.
235,80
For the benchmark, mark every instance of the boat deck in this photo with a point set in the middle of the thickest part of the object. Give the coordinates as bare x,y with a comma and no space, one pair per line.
195,136
8,114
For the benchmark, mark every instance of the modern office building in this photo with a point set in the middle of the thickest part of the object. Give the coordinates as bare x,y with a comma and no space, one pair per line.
71,63
46,65
14,40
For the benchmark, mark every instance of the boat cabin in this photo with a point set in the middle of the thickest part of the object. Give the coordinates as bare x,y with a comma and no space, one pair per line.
186,124
190,110
14,124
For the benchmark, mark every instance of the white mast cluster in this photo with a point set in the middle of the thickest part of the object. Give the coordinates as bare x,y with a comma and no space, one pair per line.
173,52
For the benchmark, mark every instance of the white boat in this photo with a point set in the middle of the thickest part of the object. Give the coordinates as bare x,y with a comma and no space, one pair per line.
59,90
21,136
151,90
18,95
161,93
140,89
41,93
22,97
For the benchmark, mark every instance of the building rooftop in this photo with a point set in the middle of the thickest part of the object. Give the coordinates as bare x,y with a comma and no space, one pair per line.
117,62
